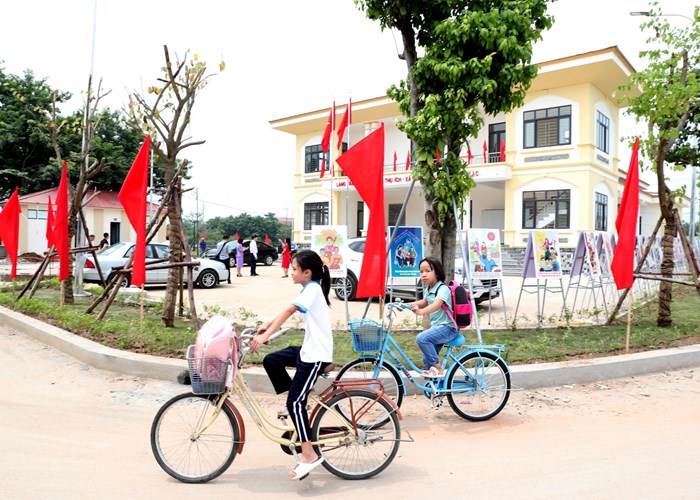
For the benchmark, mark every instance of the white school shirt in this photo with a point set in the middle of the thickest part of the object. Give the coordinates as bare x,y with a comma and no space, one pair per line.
318,339
253,248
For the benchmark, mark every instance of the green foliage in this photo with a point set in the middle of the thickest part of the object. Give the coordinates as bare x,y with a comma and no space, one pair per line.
245,225
476,59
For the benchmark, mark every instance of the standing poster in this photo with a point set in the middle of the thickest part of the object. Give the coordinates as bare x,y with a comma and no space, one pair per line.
330,242
592,253
605,252
484,253
406,252
545,247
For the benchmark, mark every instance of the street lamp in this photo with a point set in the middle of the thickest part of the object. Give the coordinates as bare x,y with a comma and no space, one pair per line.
693,187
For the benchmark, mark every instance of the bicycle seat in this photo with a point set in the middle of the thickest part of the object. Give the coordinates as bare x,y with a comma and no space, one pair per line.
455,342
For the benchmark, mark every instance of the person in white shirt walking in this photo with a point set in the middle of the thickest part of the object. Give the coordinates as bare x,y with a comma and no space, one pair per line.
223,250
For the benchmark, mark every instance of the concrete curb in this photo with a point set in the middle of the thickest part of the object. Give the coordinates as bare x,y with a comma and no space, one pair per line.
523,376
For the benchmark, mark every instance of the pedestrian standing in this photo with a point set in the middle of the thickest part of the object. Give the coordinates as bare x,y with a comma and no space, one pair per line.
253,249
222,255
239,257
202,246
286,256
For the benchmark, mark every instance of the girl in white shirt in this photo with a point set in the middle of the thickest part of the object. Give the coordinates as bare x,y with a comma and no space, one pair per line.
314,355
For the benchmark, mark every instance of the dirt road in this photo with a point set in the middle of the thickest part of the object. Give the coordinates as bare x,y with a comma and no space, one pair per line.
71,431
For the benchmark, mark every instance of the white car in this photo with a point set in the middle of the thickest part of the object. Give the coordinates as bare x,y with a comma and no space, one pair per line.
408,288
208,274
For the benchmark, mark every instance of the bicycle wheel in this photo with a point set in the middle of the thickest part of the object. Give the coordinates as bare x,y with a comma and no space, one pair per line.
361,454
482,384
187,444
366,368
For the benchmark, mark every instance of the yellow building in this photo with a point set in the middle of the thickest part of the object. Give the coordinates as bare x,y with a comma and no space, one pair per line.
559,169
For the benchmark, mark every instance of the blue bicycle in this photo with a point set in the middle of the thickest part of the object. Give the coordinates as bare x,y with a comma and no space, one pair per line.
476,382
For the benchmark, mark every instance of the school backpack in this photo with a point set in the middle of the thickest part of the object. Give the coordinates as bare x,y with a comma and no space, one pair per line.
461,304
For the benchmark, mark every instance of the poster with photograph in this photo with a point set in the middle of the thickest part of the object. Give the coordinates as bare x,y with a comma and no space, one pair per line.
484,253
605,252
592,253
545,248
330,242
406,252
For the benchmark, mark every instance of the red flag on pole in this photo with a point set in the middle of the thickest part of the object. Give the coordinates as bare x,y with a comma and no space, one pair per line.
364,165
267,239
503,151
60,226
347,120
622,266
236,236
408,160
469,155
49,225
486,150
437,156
394,160
9,229
322,173
132,196
330,126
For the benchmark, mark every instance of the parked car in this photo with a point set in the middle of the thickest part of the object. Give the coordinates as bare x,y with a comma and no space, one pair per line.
267,254
207,274
407,288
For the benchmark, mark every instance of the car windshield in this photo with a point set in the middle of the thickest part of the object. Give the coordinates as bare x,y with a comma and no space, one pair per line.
117,247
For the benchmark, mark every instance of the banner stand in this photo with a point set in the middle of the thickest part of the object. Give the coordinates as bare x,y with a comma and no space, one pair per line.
586,259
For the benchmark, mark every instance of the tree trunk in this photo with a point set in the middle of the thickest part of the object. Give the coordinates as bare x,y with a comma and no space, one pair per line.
67,288
664,318
440,239
173,285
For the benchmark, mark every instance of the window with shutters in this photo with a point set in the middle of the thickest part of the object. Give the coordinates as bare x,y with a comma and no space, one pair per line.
547,127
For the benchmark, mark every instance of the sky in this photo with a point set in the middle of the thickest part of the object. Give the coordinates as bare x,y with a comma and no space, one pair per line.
282,58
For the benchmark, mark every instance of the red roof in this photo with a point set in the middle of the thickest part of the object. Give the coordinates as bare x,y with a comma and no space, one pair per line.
104,199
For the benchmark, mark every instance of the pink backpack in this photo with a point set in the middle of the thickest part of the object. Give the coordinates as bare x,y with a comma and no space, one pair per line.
461,305
217,338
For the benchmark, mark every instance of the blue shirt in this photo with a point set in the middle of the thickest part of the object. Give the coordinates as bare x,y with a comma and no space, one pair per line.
439,291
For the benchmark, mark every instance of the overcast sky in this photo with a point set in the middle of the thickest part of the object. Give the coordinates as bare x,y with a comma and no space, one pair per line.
282,58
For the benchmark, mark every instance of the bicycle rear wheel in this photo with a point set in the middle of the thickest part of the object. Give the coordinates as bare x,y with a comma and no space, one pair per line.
360,454
366,368
184,448
482,384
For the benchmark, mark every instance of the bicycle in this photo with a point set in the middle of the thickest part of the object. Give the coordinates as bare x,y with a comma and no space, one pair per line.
192,444
476,383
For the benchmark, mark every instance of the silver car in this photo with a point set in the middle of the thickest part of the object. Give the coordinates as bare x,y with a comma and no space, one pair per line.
207,274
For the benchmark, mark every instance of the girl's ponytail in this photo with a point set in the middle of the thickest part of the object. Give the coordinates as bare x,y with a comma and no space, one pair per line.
308,259
326,283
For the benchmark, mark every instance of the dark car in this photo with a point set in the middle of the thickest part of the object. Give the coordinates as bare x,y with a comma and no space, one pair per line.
267,254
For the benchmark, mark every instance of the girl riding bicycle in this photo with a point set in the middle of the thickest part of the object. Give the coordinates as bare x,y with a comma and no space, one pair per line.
310,359
442,328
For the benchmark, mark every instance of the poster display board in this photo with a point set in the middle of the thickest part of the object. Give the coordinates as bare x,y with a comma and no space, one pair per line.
330,242
484,253
605,251
592,253
542,255
406,252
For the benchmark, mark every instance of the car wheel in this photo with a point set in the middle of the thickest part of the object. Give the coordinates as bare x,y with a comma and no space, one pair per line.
346,287
126,280
269,260
208,279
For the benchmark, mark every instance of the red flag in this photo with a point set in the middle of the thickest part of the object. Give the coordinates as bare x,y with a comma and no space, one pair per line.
503,151
322,173
330,126
486,149
347,120
132,196
236,236
267,239
408,160
49,225
9,229
394,160
622,266
437,156
469,155
364,165
60,226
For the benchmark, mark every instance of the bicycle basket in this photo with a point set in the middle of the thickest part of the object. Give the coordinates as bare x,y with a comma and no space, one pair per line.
366,335
207,373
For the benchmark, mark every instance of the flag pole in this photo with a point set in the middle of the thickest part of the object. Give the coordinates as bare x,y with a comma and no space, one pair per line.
347,193
630,301
330,163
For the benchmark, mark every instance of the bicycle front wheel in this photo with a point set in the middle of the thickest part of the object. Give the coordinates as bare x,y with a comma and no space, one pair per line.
481,385
361,453
366,368
188,444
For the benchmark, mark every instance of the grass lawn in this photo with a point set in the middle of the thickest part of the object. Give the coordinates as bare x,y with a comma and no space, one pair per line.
122,329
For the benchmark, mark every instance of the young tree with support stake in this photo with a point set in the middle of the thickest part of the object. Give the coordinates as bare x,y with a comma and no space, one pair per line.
476,56
169,115
668,101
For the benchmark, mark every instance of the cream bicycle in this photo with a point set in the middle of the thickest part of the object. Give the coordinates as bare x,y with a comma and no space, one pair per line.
196,436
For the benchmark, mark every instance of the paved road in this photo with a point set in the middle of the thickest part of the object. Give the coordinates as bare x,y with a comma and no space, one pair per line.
71,431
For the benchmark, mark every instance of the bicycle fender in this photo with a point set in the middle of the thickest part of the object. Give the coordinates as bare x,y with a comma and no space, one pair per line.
241,424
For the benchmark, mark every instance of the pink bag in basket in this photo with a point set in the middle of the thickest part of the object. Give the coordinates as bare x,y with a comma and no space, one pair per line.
216,338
